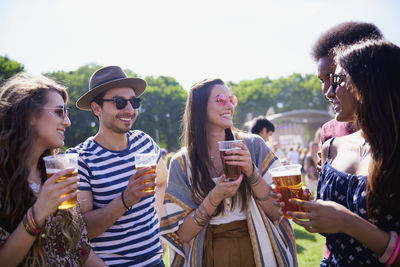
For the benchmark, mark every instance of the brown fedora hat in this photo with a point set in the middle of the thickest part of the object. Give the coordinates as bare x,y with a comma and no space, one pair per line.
107,78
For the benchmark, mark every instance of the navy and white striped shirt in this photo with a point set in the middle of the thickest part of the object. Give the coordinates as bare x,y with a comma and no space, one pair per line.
134,238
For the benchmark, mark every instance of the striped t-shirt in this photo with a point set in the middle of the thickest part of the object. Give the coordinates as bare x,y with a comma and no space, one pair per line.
133,240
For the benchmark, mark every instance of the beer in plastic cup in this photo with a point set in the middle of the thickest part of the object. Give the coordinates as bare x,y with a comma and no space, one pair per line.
287,180
232,172
147,160
56,163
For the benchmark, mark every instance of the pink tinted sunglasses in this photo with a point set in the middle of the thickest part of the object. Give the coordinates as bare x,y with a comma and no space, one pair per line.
221,99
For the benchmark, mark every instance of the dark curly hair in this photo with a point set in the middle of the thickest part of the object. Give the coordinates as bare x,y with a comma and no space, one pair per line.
343,34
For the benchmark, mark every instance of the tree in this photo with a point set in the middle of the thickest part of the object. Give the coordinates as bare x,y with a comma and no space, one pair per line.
283,94
8,68
162,110
83,123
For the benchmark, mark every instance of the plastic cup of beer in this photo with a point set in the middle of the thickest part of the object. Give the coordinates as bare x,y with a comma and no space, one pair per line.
287,180
232,172
56,163
147,160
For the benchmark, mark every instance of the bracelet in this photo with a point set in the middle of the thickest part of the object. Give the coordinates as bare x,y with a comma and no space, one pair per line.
209,200
261,198
123,201
395,253
27,227
203,212
34,222
390,247
253,178
200,222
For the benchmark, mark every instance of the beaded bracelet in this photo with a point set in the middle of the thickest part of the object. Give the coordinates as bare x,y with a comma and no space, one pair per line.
395,253
123,201
390,247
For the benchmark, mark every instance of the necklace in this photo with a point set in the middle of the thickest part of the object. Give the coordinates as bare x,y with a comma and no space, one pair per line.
364,150
35,187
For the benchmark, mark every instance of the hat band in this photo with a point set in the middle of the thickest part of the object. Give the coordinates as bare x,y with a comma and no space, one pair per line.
109,80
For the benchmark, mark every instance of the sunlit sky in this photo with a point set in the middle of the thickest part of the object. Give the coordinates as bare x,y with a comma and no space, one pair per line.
187,40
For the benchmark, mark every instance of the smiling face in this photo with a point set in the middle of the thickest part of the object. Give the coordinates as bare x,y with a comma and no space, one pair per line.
219,113
113,119
49,126
343,101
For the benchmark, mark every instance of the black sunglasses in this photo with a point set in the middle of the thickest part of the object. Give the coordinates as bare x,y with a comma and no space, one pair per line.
120,102
335,80
61,112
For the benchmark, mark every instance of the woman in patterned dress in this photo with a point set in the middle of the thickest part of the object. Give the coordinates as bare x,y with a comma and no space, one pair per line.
359,186
33,119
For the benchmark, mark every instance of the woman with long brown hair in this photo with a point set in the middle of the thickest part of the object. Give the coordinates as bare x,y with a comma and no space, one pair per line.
33,119
208,221
359,186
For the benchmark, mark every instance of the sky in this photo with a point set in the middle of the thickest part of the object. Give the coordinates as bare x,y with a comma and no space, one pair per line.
187,40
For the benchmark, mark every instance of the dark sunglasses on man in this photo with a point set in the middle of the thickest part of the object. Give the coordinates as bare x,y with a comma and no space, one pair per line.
120,102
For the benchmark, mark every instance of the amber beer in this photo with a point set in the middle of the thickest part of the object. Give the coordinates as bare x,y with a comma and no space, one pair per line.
287,180
232,172
70,202
151,171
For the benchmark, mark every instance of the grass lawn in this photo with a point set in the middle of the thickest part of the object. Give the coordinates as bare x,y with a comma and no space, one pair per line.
309,247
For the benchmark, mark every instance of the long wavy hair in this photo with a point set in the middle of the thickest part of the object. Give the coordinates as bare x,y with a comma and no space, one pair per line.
195,140
21,99
373,70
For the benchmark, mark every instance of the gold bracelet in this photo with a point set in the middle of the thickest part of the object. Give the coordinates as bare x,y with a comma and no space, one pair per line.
197,220
254,177
209,200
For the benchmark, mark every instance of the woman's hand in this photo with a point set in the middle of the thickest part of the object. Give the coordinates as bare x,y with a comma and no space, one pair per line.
240,157
321,216
50,194
224,189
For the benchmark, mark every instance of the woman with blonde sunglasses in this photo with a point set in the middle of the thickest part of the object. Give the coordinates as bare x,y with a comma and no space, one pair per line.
207,219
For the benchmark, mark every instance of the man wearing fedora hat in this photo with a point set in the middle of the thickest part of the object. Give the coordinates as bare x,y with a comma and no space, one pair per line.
122,220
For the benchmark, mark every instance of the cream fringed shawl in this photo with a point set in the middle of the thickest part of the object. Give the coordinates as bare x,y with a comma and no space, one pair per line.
273,244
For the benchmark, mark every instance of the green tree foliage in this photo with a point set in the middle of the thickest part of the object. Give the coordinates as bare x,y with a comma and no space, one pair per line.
83,123
283,94
162,110
8,68
163,102
159,116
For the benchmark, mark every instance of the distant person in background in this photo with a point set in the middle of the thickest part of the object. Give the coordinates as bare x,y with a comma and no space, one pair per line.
164,153
310,166
263,128
293,156
342,34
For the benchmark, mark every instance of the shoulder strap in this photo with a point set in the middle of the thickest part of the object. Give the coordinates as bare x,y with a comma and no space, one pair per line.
329,148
